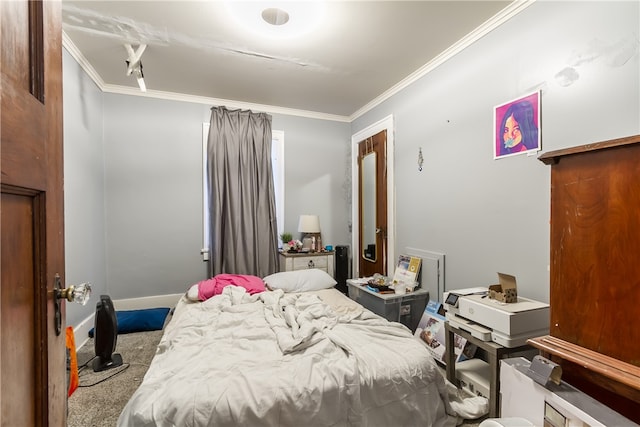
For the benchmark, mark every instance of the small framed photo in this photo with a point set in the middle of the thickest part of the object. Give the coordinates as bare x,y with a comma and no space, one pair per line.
516,126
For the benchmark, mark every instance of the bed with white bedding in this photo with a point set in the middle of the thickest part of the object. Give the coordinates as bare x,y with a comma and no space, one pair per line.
287,359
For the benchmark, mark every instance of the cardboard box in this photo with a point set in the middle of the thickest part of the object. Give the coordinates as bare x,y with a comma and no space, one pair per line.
506,290
474,375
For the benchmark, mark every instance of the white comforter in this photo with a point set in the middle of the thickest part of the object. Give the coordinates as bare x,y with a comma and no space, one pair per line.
275,359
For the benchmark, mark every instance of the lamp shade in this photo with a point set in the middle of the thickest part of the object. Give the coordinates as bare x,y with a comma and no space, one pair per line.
309,224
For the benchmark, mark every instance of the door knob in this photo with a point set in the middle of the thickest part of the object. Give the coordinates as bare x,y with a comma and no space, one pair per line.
79,294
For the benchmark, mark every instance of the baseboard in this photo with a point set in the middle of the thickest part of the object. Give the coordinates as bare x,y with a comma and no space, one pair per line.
81,331
147,302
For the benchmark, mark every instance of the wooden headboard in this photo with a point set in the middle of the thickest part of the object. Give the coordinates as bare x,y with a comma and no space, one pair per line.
595,270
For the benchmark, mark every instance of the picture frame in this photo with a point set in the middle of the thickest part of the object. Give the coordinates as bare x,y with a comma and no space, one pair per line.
516,126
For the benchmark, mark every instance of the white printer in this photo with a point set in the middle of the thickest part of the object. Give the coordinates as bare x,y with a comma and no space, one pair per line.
508,324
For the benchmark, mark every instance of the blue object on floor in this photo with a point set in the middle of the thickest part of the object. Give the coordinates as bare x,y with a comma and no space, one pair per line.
150,319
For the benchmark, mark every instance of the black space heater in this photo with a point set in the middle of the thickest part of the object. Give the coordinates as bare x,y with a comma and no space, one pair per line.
105,336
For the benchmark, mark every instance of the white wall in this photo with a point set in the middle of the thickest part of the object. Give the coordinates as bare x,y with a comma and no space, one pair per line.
153,165
317,175
84,205
488,215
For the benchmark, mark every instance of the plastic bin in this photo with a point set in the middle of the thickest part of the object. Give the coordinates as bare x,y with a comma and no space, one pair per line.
406,308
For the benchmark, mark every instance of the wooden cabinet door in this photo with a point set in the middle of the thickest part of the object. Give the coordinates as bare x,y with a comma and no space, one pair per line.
595,273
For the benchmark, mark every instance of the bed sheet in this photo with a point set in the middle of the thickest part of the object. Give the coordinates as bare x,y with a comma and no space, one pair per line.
339,302
276,359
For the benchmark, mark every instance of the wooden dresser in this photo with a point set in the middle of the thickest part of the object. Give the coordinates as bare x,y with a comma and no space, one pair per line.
300,261
595,271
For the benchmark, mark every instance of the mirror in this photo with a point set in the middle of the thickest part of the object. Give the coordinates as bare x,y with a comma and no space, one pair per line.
368,203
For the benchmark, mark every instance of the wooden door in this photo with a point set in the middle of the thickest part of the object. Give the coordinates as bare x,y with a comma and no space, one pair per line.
32,356
372,204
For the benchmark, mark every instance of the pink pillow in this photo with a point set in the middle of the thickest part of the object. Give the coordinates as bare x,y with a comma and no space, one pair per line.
214,286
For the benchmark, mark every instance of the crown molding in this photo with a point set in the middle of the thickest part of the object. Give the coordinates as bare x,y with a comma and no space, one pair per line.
229,103
79,57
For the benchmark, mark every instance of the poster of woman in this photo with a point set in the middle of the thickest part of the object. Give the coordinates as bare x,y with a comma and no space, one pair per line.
517,126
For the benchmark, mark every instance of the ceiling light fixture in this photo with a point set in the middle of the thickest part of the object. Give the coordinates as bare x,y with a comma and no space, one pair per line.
275,16
277,19
134,64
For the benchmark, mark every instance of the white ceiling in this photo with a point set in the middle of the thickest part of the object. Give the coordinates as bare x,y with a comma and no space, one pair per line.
361,53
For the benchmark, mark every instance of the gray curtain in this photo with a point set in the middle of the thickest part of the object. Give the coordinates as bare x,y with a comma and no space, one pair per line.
243,236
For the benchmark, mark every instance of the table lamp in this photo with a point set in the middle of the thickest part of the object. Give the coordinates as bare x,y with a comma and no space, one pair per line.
309,226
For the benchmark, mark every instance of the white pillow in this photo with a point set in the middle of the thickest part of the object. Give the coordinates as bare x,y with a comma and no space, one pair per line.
192,293
311,279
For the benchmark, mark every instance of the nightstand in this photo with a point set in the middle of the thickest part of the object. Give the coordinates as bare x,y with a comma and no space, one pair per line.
303,260
403,308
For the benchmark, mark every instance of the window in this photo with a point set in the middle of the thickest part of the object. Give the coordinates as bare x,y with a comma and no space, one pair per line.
277,161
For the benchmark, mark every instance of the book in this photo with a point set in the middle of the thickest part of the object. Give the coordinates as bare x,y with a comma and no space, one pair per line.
431,332
407,270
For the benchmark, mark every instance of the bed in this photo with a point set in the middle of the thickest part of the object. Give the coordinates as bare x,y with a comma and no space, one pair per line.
283,358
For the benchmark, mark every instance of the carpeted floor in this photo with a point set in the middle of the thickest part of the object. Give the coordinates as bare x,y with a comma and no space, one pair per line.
102,395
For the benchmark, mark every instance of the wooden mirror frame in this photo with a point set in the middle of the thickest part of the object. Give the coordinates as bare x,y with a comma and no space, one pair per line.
388,124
